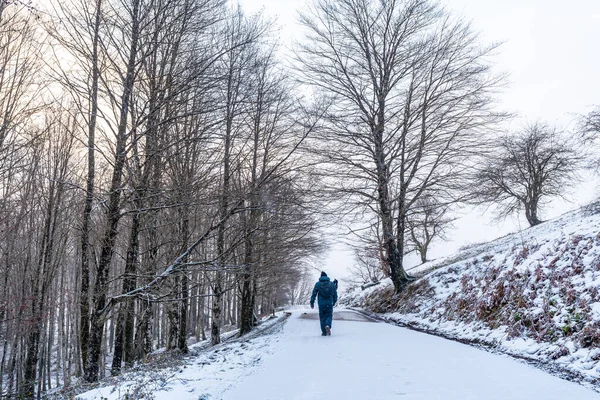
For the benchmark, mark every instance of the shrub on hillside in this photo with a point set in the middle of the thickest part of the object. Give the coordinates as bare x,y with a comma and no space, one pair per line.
544,294
410,300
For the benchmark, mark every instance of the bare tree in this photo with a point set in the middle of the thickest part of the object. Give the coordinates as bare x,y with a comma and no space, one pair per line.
239,34
589,127
429,220
29,200
527,169
133,15
412,90
299,287
58,145
367,269
85,23
273,128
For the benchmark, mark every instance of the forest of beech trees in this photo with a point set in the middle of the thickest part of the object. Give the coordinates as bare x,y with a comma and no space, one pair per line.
151,192
168,173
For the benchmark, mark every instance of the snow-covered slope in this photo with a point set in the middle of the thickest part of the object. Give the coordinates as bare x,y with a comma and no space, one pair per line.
534,294
206,373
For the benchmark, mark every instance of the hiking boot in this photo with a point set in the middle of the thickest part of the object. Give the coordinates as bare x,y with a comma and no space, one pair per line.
323,334
328,330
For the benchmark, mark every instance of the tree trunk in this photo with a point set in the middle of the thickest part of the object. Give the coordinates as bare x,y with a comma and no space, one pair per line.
247,296
115,369
124,333
215,328
183,329
173,318
531,213
423,253
247,308
84,307
202,312
224,205
143,336
393,252
183,325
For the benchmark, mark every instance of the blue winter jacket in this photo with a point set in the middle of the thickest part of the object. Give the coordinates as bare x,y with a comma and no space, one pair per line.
323,288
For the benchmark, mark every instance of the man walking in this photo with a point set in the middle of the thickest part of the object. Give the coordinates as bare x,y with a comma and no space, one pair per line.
327,293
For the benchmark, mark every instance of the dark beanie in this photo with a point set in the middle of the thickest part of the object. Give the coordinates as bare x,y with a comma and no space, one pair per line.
323,274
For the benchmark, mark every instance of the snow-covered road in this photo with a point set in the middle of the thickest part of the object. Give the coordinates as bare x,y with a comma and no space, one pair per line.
364,360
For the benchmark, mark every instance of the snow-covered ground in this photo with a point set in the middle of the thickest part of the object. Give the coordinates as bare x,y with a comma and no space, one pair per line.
205,374
361,360
533,294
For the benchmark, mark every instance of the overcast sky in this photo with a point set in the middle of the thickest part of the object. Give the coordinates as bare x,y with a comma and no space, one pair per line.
550,52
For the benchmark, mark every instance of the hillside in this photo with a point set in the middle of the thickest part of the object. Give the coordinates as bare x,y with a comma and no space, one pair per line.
533,294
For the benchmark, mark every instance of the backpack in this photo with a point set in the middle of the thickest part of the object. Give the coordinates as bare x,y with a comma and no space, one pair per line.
326,291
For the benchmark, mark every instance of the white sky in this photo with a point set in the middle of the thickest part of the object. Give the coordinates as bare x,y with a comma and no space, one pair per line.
549,50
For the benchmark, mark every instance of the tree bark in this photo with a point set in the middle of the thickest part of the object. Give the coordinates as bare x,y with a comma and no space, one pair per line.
247,300
183,325
531,213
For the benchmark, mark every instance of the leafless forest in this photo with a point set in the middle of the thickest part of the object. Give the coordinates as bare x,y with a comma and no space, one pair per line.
164,168
150,187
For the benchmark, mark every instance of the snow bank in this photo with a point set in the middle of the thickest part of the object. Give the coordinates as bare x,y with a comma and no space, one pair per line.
206,373
533,294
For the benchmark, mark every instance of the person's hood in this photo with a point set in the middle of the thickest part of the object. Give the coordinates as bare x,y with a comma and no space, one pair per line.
324,279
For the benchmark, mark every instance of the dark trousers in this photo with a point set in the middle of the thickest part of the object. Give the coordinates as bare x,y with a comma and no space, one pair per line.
325,316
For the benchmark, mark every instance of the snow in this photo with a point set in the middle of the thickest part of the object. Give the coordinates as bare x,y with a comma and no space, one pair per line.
532,294
206,374
361,360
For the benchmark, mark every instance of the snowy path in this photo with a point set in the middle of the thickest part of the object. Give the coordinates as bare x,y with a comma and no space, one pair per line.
363,360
